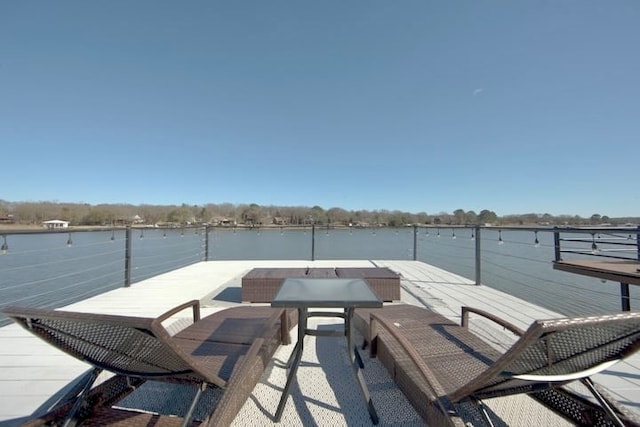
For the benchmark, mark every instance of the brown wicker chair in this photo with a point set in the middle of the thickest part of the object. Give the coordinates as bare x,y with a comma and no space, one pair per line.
228,349
446,371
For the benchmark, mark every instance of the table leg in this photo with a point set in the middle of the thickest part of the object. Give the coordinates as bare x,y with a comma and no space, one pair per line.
293,362
292,356
357,365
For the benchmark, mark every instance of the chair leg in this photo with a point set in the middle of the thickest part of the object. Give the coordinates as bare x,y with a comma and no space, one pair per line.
358,357
71,395
483,411
194,402
603,402
71,420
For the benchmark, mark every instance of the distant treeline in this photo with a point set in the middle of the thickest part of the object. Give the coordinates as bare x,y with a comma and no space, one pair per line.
82,214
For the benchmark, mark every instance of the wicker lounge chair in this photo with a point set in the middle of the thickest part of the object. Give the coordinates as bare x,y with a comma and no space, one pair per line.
228,349
447,372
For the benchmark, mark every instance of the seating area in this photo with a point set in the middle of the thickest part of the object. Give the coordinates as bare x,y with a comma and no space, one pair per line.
448,373
451,376
260,285
228,349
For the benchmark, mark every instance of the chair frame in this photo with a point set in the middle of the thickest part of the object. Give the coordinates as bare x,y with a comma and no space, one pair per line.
539,383
134,355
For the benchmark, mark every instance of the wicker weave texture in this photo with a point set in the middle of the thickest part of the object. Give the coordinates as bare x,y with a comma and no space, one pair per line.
261,284
383,281
456,367
560,346
208,351
112,417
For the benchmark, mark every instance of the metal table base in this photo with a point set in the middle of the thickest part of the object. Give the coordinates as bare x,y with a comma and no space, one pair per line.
354,356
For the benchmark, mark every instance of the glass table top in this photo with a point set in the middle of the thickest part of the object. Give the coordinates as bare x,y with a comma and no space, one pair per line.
310,292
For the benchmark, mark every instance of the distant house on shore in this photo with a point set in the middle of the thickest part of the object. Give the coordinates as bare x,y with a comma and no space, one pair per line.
136,219
55,224
224,221
7,219
280,220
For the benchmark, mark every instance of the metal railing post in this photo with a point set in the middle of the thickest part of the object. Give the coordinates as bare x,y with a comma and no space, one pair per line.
313,242
625,297
127,257
624,287
415,242
556,243
478,256
206,242
638,242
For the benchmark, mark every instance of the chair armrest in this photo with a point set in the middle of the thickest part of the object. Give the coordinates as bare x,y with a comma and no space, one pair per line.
196,310
510,326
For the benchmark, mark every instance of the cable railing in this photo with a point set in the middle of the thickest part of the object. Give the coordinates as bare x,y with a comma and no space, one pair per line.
52,269
56,268
621,245
608,254
519,261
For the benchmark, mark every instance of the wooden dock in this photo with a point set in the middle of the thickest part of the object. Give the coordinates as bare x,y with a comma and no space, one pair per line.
32,371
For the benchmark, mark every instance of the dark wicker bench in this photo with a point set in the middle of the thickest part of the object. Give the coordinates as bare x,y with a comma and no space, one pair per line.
262,284
383,281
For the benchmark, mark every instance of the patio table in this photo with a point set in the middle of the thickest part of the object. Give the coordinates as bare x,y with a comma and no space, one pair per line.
306,293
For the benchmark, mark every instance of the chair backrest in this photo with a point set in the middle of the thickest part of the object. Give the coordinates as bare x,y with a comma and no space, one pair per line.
132,346
557,347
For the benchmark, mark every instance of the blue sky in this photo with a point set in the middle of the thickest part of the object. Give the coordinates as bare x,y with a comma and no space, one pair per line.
419,106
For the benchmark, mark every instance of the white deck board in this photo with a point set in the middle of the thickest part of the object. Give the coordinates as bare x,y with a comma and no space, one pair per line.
31,371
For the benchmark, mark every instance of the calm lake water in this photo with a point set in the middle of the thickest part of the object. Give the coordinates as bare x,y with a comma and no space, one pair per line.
48,270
